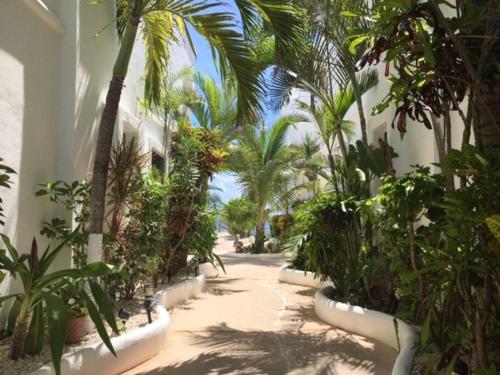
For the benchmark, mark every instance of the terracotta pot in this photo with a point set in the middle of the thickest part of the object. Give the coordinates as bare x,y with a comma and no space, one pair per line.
77,329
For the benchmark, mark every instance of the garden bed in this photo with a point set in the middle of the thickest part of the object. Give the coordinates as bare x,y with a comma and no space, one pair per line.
298,277
141,341
370,323
29,364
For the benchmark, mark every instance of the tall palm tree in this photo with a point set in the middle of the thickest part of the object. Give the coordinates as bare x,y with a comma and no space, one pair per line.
162,21
260,160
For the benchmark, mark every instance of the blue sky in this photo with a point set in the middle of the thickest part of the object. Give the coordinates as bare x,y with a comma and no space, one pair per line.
226,182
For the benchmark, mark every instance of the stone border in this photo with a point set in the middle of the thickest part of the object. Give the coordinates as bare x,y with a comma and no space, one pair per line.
298,277
253,256
373,324
132,349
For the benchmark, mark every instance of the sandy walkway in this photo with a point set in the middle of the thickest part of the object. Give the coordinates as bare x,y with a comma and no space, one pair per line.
249,323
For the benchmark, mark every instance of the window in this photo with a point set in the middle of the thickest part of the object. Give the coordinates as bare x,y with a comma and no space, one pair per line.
157,162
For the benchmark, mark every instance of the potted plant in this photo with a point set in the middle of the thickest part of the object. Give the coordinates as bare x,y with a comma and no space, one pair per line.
78,315
40,297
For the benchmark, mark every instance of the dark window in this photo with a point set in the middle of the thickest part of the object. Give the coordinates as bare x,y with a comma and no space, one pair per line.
158,162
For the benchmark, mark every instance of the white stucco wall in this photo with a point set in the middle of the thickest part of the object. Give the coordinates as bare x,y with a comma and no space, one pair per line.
54,75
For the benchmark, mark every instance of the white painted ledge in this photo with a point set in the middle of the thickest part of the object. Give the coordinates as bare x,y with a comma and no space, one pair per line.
253,256
297,277
135,347
132,349
208,270
43,11
181,292
372,324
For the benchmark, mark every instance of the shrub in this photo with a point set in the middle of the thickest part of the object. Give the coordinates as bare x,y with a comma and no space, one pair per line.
75,198
137,256
329,239
240,216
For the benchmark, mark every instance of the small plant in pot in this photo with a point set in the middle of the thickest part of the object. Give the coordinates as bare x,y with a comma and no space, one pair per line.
79,324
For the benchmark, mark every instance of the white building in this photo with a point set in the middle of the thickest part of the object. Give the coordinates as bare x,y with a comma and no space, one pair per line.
56,59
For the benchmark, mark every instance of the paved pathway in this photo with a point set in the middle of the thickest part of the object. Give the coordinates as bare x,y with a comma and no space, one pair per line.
249,323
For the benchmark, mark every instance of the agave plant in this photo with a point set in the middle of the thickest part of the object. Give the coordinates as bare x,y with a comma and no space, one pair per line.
40,297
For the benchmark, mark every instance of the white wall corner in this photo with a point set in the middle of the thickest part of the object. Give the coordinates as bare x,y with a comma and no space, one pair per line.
43,11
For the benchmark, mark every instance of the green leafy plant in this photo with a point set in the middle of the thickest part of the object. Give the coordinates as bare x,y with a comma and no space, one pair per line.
140,243
196,155
239,216
5,173
41,296
74,198
328,235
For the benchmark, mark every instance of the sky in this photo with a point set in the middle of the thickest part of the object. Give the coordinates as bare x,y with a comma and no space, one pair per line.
225,184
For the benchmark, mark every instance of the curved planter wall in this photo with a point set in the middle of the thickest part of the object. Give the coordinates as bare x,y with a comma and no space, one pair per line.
208,270
135,347
291,276
253,256
178,293
373,324
132,349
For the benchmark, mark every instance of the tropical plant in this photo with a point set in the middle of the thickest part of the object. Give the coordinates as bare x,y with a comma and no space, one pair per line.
308,159
5,173
330,117
239,215
40,297
328,235
438,61
125,170
175,98
426,229
260,160
215,106
137,257
196,155
75,198
164,22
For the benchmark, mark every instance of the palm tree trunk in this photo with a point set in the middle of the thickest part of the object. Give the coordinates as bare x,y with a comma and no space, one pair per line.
19,336
487,108
106,130
359,104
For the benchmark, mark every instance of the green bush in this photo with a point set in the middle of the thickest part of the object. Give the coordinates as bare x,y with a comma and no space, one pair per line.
329,242
137,256
240,216
445,258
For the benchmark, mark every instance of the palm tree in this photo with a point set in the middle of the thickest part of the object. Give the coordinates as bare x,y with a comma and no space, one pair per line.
215,106
330,115
162,21
308,159
260,160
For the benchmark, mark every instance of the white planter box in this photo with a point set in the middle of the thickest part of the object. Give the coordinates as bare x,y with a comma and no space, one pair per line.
173,295
135,347
373,324
132,349
253,256
297,277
